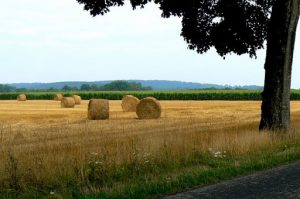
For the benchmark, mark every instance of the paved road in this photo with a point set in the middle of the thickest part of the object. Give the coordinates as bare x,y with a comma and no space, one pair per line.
282,182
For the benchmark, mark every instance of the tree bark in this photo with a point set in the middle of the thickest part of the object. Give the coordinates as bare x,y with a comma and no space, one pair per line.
278,66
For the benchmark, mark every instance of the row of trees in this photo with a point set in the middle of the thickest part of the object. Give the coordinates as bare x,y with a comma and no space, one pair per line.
113,86
6,88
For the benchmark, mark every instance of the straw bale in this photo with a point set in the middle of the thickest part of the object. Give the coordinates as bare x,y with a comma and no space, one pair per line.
68,102
22,97
98,109
129,103
77,99
58,97
148,108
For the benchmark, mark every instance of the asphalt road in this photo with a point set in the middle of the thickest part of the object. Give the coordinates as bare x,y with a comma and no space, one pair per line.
282,182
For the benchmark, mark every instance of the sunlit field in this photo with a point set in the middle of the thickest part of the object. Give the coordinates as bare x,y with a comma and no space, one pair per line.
49,151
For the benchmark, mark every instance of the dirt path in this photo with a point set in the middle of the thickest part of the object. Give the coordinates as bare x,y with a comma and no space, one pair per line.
281,182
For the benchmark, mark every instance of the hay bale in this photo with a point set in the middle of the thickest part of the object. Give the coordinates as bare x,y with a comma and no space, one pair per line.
98,109
58,97
22,97
148,108
68,102
129,103
77,99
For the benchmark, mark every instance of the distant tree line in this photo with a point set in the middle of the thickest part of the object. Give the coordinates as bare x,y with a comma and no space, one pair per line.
7,88
113,86
119,85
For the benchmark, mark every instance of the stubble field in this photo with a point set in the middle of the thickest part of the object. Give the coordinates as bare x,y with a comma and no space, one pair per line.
45,149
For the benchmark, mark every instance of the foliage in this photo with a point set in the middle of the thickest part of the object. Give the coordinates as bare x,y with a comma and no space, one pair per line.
124,86
112,86
6,88
238,26
69,88
115,86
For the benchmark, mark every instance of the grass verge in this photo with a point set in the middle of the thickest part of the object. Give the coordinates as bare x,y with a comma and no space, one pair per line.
158,180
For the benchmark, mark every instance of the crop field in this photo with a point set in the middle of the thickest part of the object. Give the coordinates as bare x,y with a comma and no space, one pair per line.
48,151
161,95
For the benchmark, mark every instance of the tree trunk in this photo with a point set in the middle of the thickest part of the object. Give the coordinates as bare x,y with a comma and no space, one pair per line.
280,47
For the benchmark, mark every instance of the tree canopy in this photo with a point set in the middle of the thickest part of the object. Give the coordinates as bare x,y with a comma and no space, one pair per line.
231,26
118,85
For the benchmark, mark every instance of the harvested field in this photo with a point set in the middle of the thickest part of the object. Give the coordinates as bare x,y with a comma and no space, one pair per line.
33,133
49,112
40,119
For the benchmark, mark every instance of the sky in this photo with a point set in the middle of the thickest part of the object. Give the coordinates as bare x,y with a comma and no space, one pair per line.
56,40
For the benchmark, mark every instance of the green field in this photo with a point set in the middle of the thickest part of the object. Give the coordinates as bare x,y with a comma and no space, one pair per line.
161,95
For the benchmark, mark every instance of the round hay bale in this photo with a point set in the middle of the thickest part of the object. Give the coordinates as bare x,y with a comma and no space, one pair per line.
67,102
21,97
129,103
98,109
148,108
58,97
77,99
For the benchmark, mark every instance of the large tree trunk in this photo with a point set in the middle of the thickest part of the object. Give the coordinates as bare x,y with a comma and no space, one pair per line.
280,47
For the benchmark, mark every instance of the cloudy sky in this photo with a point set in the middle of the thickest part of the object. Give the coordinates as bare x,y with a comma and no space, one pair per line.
55,40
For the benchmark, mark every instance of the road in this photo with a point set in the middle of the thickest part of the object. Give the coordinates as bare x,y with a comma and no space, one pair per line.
282,182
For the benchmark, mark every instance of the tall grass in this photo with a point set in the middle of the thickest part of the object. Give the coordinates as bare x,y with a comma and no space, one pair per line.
98,158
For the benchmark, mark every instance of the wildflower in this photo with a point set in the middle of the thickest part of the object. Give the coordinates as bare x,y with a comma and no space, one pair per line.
217,154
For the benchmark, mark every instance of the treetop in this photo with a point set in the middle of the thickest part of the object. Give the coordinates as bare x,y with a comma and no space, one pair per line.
231,26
